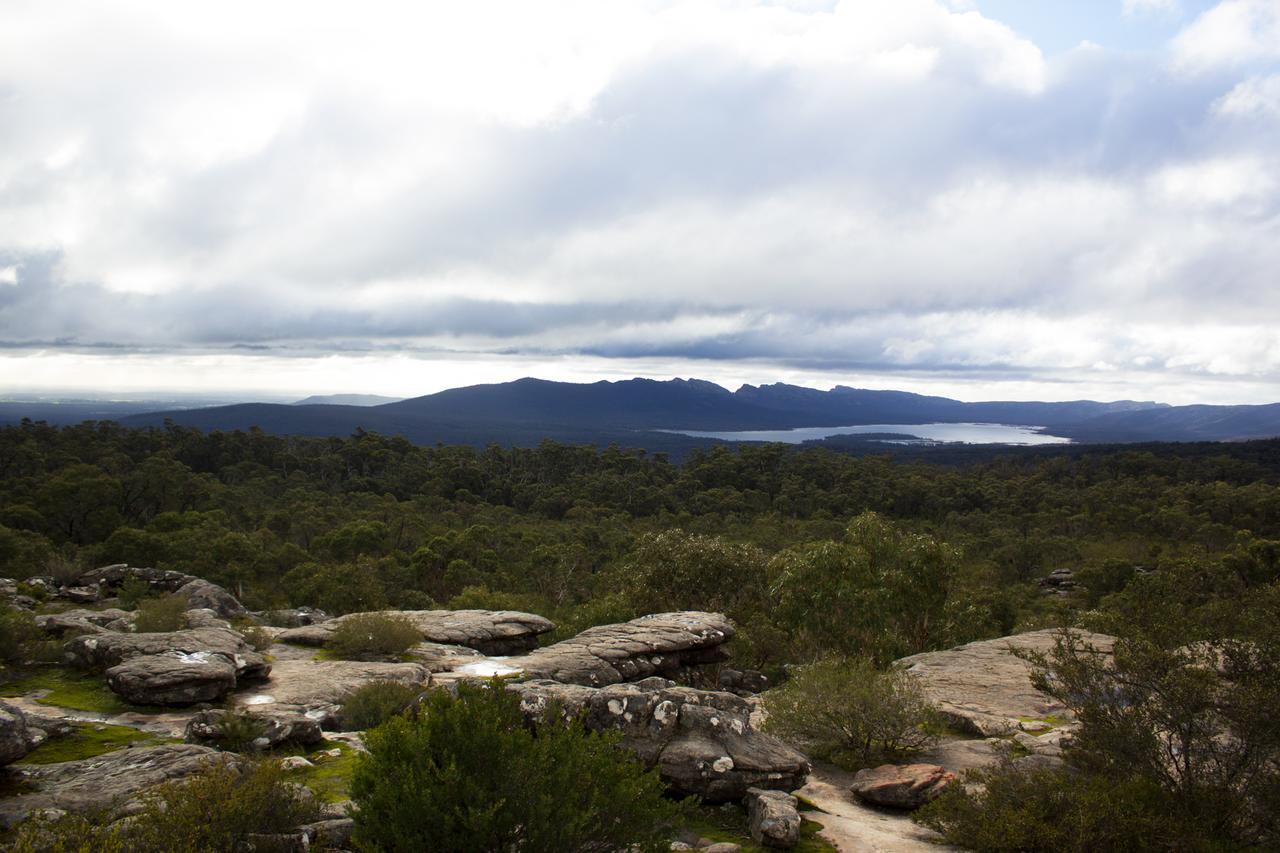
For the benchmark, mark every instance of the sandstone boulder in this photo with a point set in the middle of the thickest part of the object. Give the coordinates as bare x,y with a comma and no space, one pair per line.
70,622
901,786
91,784
276,729
660,644
111,578
774,818
16,739
172,678
703,742
202,594
99,651
293,617
984,689
492,632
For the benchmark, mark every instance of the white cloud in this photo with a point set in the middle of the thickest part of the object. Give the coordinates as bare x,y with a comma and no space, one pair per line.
1232,33
1139,8
802,189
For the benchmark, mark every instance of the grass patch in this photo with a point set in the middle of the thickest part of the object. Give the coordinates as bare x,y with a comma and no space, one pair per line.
88,740
1052,720
729,823
330,778
73,690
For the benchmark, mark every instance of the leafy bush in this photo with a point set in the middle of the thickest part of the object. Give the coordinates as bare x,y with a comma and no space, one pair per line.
18,632
215,809
1195,722
848,711
1056,811
166,613
257,637
376,702
133,592
488,781
237,730
373,635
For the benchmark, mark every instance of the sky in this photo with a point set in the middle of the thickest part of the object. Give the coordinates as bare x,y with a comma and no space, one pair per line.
987,199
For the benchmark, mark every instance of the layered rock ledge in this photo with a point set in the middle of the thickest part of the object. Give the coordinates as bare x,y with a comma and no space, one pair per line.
492,632
701,741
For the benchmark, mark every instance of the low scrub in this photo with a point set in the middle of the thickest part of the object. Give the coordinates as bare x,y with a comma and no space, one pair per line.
157,615
216,809
376,702
373,636
847,711
489,781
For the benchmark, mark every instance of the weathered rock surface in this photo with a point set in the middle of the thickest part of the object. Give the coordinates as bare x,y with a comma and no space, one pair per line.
660,644
16,740
703,742
111,578
173,668
901,786
84,621
293,617
313,683
202,594
851,825
172,678
774,818
277,729
493,632
90,784
985,690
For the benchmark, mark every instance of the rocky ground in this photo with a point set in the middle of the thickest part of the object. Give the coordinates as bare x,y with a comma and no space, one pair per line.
129,710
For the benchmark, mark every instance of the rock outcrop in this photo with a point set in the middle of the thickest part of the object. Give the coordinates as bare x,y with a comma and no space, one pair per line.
661,644
702,742
111,578
984,689
70,622
492,632
172,668
774,818
16,740
92,783
312,684
901,786
202,594
273,729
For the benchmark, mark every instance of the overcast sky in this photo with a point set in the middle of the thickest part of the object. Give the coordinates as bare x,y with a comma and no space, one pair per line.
982,198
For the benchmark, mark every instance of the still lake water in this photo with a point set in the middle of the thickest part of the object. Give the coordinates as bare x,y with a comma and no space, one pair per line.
962,433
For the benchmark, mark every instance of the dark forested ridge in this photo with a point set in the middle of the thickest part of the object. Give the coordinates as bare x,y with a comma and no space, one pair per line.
629,412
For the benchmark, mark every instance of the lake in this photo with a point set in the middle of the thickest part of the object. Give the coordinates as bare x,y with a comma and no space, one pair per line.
922,434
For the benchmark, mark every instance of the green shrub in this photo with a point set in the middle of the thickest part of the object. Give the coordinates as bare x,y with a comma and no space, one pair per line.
213,810
166,613
848,711
257,637
1057,811
373,635
18,633
237,730
376,702
487,782
133,592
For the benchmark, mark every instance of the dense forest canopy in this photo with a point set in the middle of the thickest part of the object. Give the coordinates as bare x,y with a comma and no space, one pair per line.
774,535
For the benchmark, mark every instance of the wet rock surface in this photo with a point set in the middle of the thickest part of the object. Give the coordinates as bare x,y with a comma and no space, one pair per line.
703,742
492,632
661,644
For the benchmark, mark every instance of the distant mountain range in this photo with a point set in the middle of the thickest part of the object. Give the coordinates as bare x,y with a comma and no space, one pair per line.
639,412
634,412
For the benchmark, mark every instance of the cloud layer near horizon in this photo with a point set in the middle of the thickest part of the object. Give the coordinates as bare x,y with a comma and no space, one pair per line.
883,186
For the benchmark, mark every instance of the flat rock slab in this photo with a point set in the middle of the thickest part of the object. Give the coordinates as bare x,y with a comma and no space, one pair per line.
901,786
491,632
95,783
309,683
660,644
985,690
854,827
701,741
